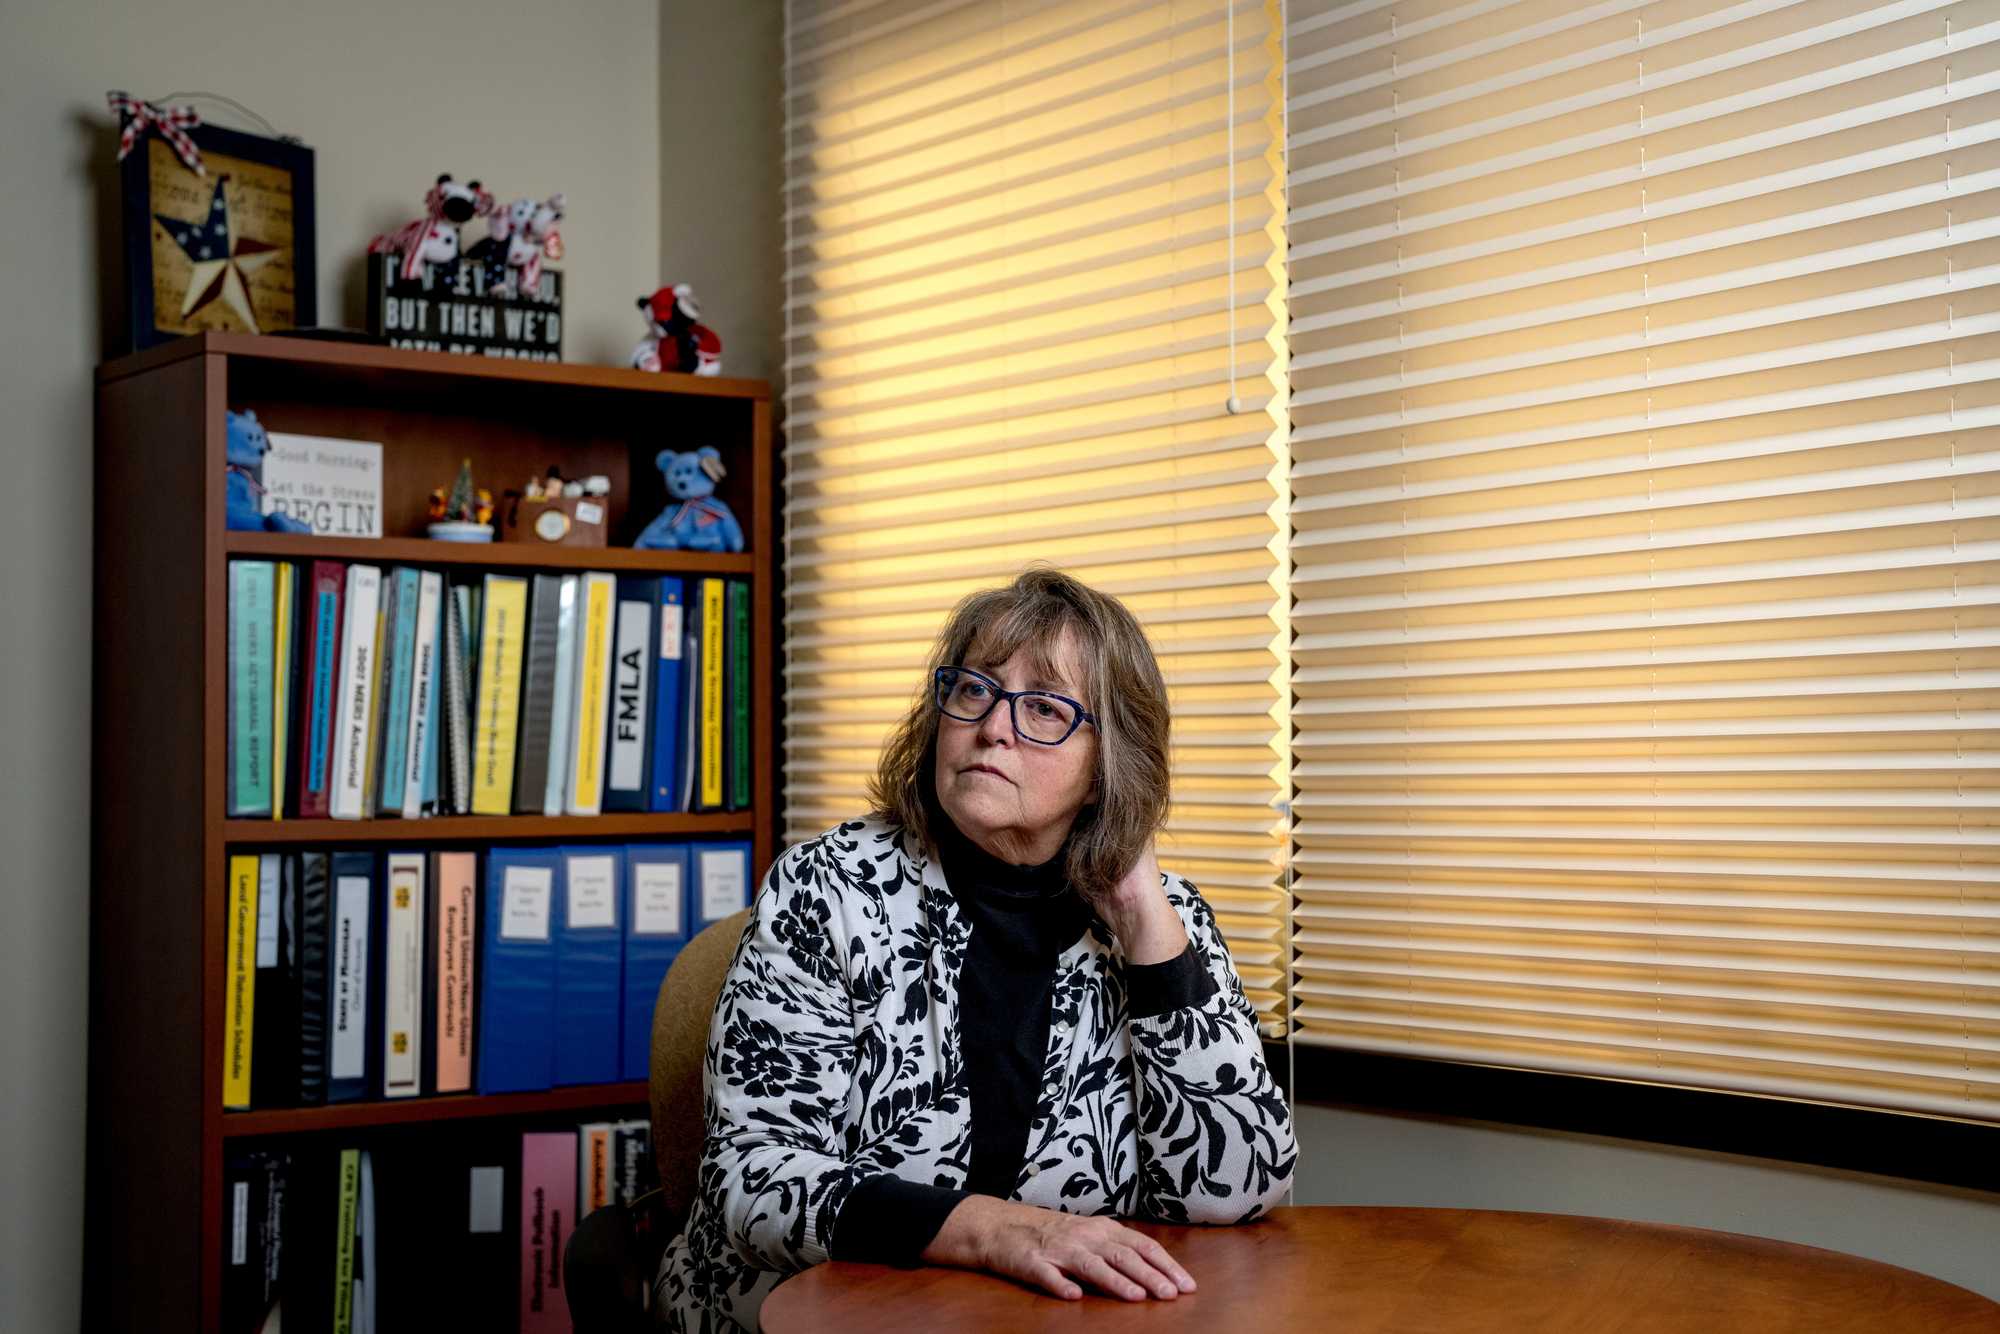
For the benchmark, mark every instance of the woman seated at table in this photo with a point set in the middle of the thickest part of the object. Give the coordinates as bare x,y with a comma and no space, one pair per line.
980,1025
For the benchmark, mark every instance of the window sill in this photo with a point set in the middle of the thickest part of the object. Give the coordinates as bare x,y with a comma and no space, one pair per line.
1912,1146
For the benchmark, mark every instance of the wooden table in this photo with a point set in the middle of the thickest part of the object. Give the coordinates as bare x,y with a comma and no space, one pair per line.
1425,1271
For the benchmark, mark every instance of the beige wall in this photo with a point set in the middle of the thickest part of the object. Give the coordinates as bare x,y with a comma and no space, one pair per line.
720,76
525,96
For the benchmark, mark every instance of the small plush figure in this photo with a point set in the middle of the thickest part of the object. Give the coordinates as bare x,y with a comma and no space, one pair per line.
244,497
537,238
676,340
433,238
699,522
519,236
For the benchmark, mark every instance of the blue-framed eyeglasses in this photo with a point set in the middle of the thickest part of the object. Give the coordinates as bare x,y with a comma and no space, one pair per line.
1040,716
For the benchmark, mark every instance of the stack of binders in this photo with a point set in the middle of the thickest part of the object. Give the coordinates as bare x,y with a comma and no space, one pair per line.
355,692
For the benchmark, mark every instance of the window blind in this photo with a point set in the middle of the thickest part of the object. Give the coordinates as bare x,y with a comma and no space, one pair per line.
1645,377
1013,324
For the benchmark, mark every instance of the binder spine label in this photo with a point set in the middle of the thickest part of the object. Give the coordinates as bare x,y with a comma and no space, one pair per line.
628,698
326,603
349,967
524,903
402,989
593,892
723,879
243,877
656,899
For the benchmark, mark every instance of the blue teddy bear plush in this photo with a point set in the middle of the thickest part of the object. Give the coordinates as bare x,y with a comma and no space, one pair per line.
697,521
247,446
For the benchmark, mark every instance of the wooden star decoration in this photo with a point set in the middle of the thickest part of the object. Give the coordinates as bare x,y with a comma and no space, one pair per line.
222,263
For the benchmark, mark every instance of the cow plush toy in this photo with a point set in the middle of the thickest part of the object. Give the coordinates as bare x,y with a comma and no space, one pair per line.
694,520
675,339
433,238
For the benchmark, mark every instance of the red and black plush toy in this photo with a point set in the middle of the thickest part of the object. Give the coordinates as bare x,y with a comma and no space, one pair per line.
675,339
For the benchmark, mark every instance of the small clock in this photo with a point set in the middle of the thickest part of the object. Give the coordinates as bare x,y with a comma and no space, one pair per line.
552,525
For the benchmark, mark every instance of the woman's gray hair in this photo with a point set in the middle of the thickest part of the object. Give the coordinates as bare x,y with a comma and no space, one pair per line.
1121,685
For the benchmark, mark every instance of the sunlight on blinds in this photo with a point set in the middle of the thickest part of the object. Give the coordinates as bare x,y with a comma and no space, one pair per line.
1009,337
1645,371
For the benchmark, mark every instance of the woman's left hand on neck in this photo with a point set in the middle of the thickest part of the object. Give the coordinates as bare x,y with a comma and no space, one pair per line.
1142,921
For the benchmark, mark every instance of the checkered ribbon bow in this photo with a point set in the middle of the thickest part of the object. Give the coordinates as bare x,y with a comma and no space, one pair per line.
173,123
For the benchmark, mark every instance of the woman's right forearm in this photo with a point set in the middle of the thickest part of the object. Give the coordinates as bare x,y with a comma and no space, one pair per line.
962,1241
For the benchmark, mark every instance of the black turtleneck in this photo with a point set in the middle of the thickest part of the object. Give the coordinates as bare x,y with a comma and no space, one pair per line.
1021,919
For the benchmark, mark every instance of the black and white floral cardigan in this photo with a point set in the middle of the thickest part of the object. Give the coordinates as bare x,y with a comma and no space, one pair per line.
834,1056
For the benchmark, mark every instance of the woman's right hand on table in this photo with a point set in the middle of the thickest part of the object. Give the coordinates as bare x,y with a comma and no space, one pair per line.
1055,1251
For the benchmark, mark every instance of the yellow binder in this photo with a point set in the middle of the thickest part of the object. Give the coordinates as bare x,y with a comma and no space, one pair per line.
239,1002
503,630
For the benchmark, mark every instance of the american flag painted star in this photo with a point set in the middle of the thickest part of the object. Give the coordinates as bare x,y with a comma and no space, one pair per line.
222,265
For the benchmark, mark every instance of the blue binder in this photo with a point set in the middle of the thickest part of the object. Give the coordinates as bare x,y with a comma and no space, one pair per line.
670,637
351,1003
590,946
721,880
656,926
517,971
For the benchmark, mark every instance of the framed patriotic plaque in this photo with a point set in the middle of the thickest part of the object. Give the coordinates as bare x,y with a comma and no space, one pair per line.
218,227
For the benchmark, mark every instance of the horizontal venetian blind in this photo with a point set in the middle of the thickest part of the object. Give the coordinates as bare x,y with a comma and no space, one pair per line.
1645,374
1013,324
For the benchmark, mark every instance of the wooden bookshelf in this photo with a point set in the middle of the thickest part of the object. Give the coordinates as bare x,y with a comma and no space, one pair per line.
414,1111
486,555
451,830
160,843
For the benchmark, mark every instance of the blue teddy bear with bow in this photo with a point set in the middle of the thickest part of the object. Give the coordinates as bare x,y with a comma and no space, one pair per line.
697,521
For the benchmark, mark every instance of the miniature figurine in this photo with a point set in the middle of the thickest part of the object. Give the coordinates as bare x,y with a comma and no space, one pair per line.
699,522
434,238
244,495
676,340
465,515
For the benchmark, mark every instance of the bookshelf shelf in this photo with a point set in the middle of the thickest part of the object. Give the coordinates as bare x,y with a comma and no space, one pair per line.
411,1111
486,555
160,842
449,829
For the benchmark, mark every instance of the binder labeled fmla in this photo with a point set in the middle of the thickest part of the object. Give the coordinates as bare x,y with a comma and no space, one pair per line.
632,670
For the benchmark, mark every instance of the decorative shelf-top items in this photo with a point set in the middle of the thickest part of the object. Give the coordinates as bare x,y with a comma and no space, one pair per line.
676,340
466,514
218,226
549,509
428,290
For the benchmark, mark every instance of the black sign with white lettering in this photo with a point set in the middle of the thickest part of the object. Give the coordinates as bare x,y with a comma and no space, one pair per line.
452,309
